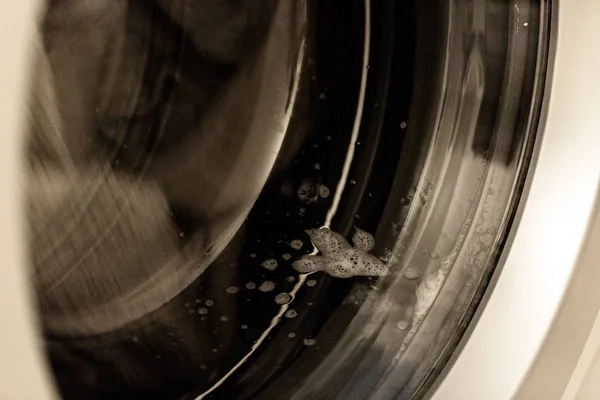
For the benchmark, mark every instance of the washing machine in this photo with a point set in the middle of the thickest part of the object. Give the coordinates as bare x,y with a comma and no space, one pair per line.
297,199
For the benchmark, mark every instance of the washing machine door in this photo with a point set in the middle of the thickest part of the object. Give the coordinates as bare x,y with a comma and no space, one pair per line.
299,199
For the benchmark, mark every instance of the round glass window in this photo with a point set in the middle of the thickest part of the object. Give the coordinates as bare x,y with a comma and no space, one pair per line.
238,199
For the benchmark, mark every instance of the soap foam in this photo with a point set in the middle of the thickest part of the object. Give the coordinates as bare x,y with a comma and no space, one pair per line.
340,269
311,263
363,240
327,241
339,259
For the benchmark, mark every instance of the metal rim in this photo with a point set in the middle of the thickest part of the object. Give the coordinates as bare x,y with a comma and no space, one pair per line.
537,269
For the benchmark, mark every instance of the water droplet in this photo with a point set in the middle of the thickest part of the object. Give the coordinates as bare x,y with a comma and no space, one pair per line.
324,191
402,325
283,298
290,279
266,286
291,313
311,283
306,191
253,255
244,327
310,342
209,303
412,273
286,256
250,285
232,289
403,125
296,244
270,264
224,318
291,335
203,311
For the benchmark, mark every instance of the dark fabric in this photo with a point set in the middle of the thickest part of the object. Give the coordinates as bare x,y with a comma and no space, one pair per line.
123,93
